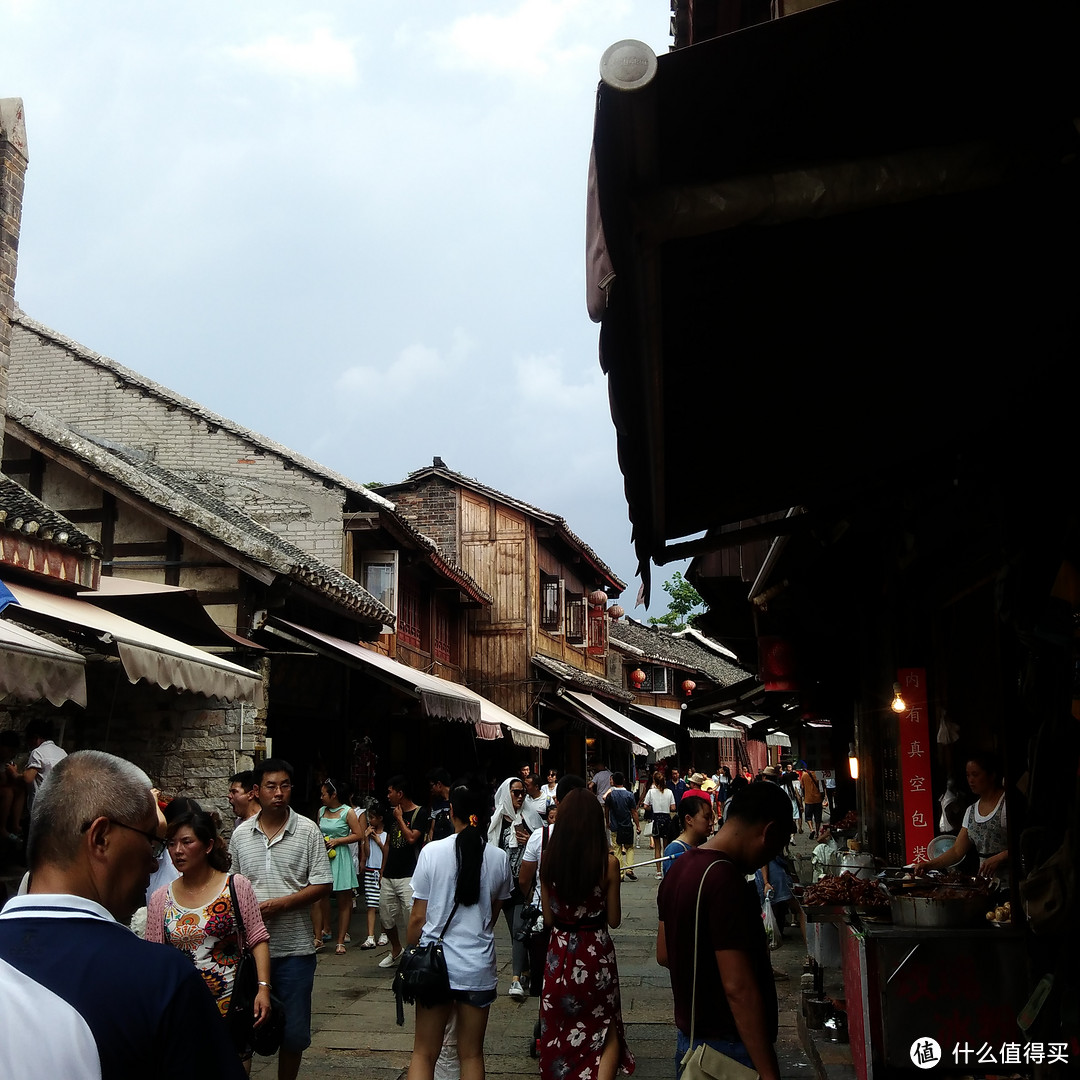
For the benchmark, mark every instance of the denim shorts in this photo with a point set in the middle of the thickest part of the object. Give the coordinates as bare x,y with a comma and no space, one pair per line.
478,999
735,1050
293,978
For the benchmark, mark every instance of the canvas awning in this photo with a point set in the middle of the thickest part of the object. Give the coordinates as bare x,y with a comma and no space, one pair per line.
658,746
438,698
35,669
144,653
717,731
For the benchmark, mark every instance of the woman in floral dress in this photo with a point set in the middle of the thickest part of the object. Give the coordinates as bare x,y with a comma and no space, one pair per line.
581,1027
194,913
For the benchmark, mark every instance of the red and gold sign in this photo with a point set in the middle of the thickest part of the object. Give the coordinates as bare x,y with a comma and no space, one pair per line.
914,748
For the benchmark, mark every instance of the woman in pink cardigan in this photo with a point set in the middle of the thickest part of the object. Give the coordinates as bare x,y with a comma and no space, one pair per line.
194,913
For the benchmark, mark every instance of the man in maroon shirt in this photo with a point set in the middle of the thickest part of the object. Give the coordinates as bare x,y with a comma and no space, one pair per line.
736,996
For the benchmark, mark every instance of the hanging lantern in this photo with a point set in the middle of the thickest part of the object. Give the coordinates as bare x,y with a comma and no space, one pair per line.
598,598
638,677
615,612
689,686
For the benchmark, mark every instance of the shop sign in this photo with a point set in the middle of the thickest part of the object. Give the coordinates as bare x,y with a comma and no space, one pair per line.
914,750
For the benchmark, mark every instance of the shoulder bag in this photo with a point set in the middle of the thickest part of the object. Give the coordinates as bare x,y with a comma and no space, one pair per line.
266,1038
704,1062
421,975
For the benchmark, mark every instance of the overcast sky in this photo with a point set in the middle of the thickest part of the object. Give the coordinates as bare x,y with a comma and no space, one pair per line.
358,229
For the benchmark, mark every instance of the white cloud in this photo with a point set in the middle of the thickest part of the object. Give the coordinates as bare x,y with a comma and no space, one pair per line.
532,40
320,57
539,380
417,367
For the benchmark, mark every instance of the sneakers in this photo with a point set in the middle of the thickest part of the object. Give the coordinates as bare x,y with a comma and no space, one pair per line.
517,991
368,943
383,940
390,960
348,940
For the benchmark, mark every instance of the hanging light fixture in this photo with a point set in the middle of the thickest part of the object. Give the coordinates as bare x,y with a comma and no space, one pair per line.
598,598
615,612
689,686
899,705
638,677
852,762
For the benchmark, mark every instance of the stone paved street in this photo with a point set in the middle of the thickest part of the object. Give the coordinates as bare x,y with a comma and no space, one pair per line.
355,1033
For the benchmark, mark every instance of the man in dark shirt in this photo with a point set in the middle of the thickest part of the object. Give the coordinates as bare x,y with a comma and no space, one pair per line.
88,997
439,824
735,992
404,833
620,806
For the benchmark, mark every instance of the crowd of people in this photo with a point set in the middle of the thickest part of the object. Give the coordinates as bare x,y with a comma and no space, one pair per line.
550,856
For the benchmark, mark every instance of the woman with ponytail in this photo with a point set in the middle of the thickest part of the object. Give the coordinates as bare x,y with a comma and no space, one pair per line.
459,886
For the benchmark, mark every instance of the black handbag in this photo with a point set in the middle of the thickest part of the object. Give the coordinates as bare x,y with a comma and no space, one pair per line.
421,975
266,1038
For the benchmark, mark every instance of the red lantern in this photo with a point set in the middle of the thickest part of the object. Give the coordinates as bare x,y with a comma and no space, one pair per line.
598,598
615,612
689,686
638,677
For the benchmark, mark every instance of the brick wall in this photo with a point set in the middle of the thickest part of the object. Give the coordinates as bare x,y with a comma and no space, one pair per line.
305,509
13,160
432,507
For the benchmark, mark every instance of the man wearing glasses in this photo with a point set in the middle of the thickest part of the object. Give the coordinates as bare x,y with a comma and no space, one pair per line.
86,996
283,856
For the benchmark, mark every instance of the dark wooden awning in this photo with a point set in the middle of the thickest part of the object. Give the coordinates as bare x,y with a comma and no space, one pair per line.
835,252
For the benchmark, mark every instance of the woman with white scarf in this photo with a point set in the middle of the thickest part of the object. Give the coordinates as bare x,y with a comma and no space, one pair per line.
508,832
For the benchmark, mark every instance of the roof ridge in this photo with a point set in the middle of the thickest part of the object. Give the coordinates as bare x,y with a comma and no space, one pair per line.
511,500
146,478
133,377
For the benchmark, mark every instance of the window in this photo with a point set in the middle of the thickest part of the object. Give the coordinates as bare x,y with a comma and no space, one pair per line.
409,624
378,574
575,618
656,680
550,603
597,631
443,648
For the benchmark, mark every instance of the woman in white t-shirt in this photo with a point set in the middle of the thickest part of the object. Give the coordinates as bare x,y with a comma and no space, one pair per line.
459,886
985,826
660,803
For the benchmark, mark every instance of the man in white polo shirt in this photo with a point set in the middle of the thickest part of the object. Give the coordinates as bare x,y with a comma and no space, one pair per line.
283,856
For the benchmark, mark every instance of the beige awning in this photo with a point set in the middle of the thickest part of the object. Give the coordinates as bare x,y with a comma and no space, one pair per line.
439,698
659,746
145,653
35,669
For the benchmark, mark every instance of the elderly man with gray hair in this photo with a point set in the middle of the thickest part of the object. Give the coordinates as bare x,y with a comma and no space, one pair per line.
81,994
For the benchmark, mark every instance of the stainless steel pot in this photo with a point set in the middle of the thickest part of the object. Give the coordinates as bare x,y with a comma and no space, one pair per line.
934,913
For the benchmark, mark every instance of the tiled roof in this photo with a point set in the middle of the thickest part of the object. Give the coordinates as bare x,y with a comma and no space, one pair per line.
558,522
659,645
128,377
22,512
188,501
581,679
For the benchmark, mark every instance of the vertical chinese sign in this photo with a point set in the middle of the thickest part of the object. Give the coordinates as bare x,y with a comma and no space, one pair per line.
914,751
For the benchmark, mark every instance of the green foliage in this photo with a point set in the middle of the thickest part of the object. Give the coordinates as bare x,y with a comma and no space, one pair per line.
685,602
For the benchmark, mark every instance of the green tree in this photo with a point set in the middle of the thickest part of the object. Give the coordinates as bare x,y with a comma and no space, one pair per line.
685,602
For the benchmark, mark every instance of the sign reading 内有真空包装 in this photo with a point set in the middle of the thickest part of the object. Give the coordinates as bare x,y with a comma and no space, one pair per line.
914,752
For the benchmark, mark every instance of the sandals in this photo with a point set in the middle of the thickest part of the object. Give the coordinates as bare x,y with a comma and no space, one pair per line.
340,950
319,944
